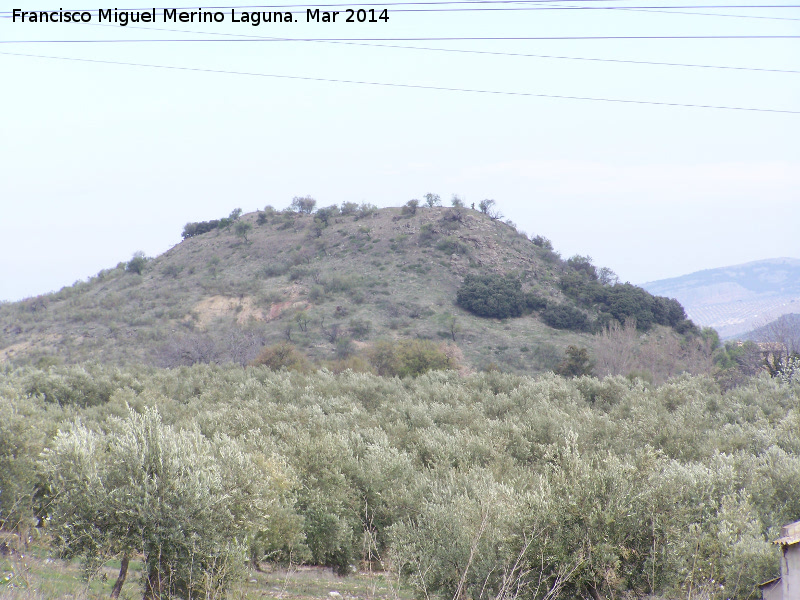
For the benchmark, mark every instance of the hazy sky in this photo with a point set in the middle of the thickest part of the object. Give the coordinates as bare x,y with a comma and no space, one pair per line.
100,160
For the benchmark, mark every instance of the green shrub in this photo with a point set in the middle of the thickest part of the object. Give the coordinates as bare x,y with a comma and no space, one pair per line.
409,209
348,209
495,296
243,229
427,233
334,284
274,270
316,294
298,273
576,363
344,348
172,270
137,264
452,245
408,358
563,316
282,356
534,302
366,210
360,328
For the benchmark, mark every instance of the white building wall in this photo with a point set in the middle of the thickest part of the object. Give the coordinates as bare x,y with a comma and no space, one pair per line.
790,572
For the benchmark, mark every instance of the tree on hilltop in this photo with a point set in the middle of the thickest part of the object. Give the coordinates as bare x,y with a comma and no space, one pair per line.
432,200
487,207
303,204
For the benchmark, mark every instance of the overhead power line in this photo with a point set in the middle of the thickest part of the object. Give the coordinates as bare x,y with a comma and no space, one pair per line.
704,14
416,39
414,86
544,3
483,52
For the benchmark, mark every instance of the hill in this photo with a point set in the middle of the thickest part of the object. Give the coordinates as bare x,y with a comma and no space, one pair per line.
331,282
785,330
736,299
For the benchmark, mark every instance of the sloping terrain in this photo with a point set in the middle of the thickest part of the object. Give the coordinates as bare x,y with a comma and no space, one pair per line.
784,331
220,296
334,283
739,298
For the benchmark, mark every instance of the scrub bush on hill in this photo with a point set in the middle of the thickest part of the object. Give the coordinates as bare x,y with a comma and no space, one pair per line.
496,296
409,209
282,356
408,358
137,263
451,245
563,316
621,302
576,363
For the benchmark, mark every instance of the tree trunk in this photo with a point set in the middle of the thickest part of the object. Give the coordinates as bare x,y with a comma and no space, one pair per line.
123,573
152,585
593,592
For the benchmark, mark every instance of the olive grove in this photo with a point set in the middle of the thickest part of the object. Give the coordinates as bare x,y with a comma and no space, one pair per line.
487,486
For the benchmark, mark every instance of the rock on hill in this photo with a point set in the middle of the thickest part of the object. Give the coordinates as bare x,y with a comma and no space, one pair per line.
331,283
739,298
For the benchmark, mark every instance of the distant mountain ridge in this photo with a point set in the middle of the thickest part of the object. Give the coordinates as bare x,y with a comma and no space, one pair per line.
738,298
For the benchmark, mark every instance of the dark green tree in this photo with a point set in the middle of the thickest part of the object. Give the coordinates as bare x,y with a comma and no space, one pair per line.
137,263
410,207
324,215
583,264
242,228
493,295
576,363
563,316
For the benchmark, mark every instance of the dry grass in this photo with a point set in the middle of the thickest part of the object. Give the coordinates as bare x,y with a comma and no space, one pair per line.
389,270
50,579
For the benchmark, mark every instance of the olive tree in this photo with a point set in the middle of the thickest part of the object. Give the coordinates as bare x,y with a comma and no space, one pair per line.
137,263
242,228
187,503
432,199
303,204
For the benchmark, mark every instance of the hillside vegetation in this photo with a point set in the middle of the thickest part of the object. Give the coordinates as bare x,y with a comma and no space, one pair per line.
342,391
335,282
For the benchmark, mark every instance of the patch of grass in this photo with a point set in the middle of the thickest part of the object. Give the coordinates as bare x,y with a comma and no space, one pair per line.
51,579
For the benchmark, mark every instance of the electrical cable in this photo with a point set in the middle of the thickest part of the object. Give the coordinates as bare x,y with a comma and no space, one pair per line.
536,5
483,52
416,39
416,86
